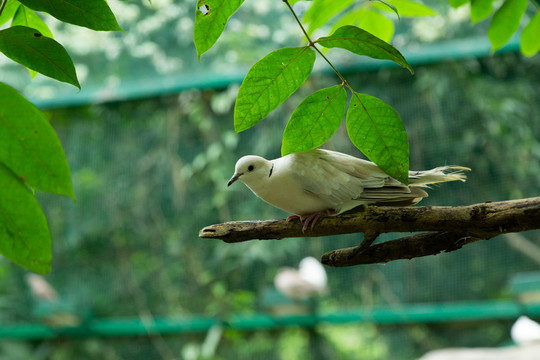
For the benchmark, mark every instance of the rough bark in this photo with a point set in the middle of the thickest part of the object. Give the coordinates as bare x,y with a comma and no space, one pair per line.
448,229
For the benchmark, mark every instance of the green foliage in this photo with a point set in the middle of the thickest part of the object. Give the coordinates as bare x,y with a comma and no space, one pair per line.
505,22
30,153
269,83
94,14
30,148
24,233
407,8
361,42
481,9
211,16
315,120
529,38
376,129
40,53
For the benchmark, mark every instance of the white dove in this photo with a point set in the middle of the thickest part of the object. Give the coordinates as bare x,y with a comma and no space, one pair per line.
310,279
315,183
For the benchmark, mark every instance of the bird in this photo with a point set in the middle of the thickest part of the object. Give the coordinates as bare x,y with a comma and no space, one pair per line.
309,280
315,183
525,331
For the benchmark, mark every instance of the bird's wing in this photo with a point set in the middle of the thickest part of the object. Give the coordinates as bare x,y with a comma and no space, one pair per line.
333,177
338,178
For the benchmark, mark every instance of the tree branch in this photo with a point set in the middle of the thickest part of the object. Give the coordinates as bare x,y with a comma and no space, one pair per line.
448,229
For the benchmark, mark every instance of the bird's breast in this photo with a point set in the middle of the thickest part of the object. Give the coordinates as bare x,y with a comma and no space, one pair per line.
287,194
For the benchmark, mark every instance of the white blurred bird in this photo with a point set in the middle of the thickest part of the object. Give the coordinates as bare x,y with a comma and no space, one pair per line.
315,183
309,280
525,331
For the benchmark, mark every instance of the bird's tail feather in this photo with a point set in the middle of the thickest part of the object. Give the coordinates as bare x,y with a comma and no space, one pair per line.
437,175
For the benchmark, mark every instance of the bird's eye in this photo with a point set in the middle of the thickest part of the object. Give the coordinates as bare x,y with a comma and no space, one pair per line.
251,167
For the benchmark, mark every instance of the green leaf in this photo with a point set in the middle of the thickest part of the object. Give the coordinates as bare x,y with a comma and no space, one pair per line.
29,145
321,11
315,120
269,83
24,233
407,8
9,10
376,24
30,48
377,130
92,14
457,3
26,17
505,22
480,9
211,16
361,42
530,37
387,7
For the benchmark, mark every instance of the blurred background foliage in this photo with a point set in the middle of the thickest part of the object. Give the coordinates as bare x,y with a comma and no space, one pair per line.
149,173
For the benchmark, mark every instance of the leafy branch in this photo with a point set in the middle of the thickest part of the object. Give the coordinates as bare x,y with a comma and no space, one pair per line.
31,155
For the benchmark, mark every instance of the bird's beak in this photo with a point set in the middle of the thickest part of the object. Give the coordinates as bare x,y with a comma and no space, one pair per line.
234,178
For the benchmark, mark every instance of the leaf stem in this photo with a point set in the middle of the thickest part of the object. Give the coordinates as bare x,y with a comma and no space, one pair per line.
312,44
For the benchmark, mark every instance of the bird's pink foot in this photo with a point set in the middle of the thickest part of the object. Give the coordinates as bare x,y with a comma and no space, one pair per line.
311,218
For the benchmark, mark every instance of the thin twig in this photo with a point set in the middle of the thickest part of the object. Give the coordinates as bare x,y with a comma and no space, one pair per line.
312,44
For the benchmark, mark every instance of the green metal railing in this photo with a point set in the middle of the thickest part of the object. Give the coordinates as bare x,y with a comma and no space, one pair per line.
380,315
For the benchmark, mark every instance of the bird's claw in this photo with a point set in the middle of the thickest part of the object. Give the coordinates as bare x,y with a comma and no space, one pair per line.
311,218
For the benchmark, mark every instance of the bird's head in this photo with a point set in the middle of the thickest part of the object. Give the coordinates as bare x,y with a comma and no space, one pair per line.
250,169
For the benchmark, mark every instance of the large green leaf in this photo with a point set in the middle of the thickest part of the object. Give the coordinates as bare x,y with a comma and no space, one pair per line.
530,37
407,8
315,120
9,11
505,22
377,130
24,233
269,83
26,17
361,42
30,48
321,11
211,17
92,14
376,24
29,145
480,9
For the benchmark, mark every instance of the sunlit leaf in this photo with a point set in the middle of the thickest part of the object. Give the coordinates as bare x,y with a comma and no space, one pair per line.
92,14
315,120
29,145
9,11
321,11
376,24
361,42
387,6
30,48
377,130
480,9
407,8
26,17
530,37
269,83
211,17
505,22
457,3
24,233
